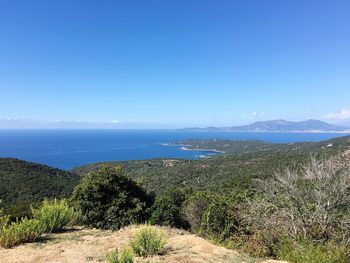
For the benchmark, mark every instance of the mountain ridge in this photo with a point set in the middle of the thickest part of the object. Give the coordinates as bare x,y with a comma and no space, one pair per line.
280,125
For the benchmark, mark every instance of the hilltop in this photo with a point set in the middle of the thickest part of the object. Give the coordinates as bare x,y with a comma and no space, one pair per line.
92,245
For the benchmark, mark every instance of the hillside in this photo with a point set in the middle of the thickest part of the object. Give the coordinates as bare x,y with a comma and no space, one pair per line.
92,245
234,170
24,182
281,126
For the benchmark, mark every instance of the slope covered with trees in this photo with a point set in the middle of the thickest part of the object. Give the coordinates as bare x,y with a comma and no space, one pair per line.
22,183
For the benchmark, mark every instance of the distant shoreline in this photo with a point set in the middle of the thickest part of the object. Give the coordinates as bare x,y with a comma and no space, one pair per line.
223,130
187,147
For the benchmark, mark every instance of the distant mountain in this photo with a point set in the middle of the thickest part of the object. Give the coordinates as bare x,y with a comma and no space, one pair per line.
281,126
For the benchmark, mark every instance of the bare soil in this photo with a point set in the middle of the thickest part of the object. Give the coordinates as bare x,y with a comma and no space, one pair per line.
79,245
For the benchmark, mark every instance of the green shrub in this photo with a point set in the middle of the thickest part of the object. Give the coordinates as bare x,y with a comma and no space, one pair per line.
167,209
3,218
54,215
112,257
26,230
306,251
126,255
110,200
148,241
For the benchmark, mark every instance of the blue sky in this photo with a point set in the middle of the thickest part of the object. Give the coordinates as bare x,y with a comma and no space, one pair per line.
175,63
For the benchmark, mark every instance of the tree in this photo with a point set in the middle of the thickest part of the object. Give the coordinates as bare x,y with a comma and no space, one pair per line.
108,199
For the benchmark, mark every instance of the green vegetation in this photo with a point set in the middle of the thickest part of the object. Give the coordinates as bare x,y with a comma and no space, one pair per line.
224,173
112,257
148,242
269,200
54,215
26,230
23,183
125,255
167,209
110,200
211,215
307,251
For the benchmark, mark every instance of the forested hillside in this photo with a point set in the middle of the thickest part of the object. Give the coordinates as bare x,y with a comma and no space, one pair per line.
22,183
235,170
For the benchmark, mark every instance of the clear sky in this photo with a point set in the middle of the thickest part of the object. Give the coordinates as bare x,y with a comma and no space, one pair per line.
175,62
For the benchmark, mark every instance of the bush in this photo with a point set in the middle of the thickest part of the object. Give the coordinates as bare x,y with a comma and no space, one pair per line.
306,251
148,241
309,202
54,215
26,230
126,255
313,200
194,209
211,215
110,200
167,209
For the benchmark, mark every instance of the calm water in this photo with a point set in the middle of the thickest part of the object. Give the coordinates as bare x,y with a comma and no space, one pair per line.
69,148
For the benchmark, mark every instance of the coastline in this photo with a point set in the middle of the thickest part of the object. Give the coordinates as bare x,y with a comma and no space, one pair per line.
187,147
264,131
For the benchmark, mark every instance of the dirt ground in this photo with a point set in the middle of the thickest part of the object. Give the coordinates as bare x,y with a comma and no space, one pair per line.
91,245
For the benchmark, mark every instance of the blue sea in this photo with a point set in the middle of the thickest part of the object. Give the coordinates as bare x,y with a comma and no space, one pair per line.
66,149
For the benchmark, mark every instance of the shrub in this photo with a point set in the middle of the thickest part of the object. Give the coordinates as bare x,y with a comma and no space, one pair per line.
26,230
211,215
306,251
112,257
312,200
126,255
308,202
3,218
148,241
194,209
110,200
167,209
54,215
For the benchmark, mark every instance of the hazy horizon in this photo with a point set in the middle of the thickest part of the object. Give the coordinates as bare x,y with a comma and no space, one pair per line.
64,124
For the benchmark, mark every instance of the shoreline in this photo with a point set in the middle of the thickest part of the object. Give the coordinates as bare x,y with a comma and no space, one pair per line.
223,130
186,147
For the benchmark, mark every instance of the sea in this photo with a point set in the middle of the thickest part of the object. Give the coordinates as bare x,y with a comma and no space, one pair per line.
66,149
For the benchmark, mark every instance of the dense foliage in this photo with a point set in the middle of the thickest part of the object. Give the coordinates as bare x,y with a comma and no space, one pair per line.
167,209
22,183
225,173
110,200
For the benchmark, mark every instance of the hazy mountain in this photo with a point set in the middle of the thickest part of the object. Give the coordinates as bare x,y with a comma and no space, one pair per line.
281,126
